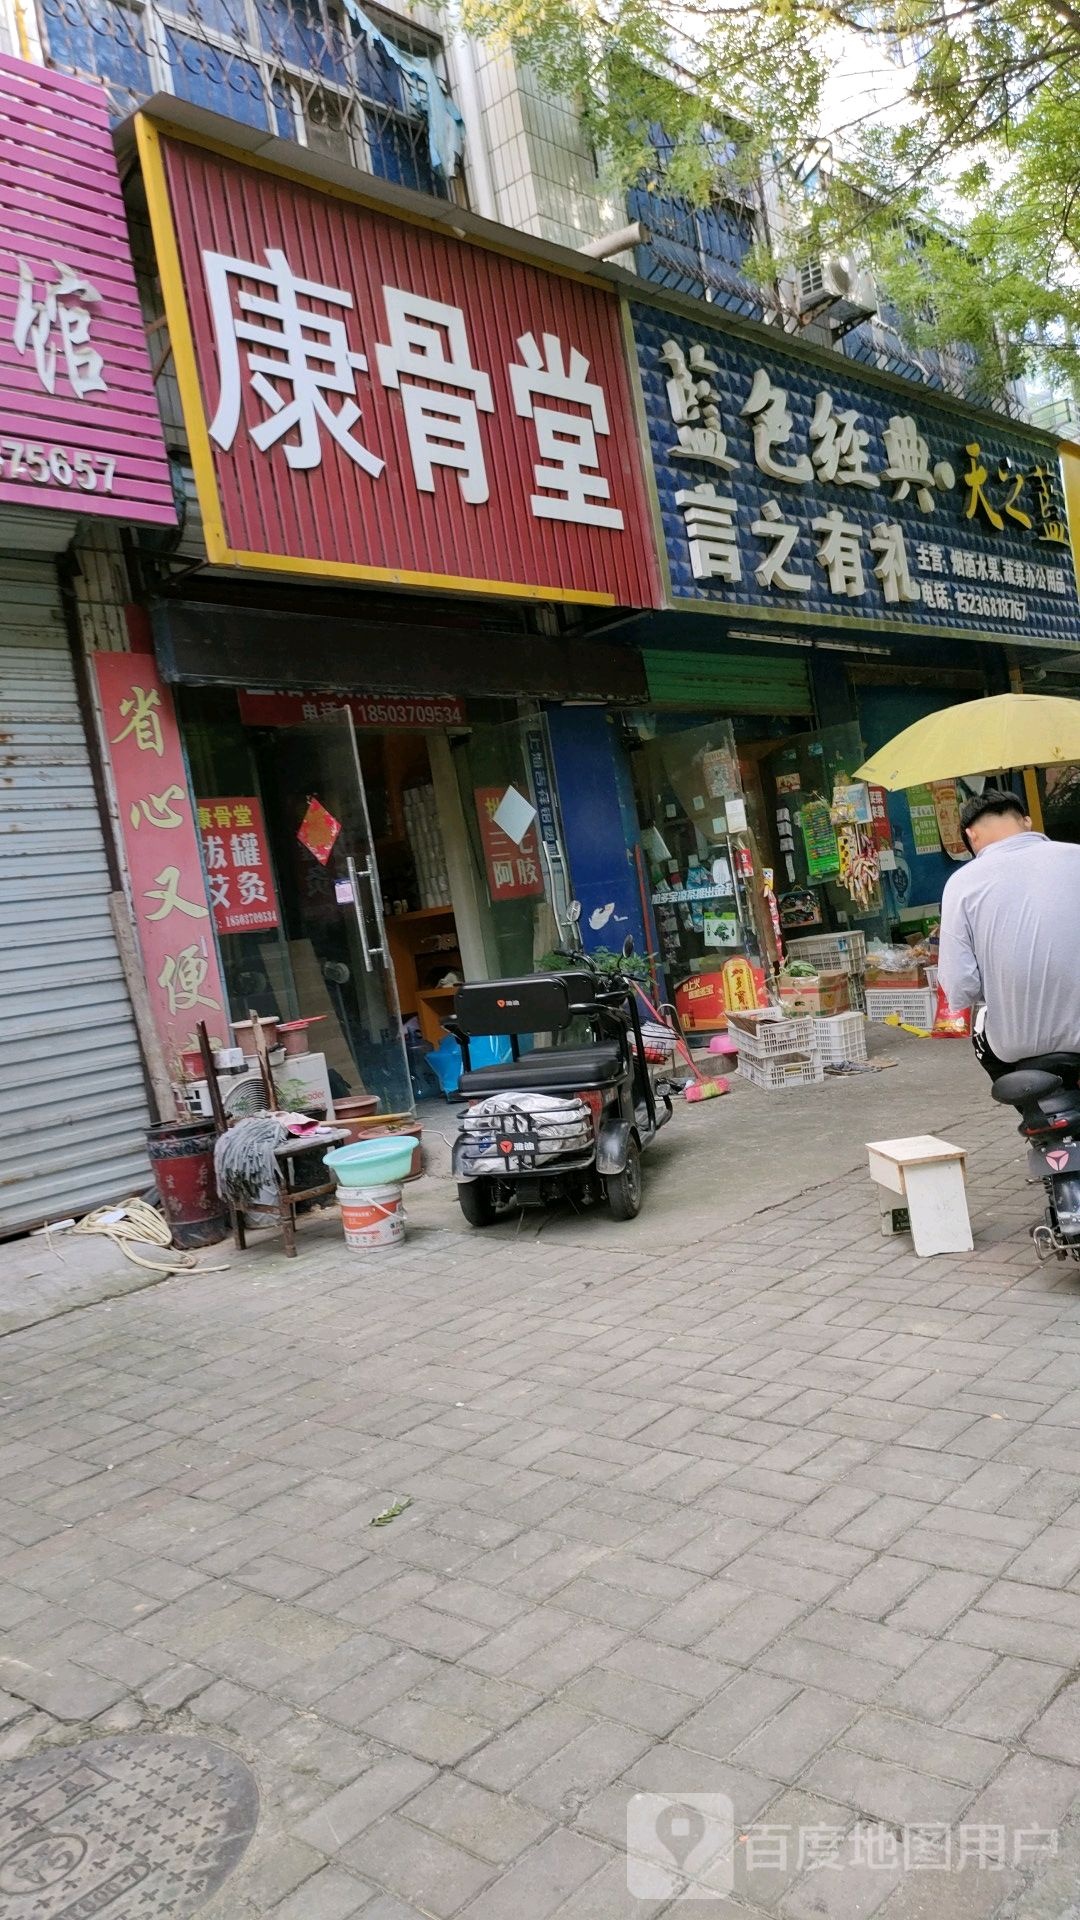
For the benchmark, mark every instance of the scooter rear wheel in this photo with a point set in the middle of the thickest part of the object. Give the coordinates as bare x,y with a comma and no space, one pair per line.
624,1189
477,1202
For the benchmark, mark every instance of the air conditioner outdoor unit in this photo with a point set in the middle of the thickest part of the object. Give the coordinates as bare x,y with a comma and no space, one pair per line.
840,283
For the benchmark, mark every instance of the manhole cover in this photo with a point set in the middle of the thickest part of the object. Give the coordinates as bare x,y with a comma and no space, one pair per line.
126,1829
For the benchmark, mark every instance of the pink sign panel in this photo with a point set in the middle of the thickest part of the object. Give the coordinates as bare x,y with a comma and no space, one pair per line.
160,834
79,424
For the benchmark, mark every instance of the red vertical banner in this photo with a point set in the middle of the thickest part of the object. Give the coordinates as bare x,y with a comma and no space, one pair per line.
172,918
237,861
513,871
880,824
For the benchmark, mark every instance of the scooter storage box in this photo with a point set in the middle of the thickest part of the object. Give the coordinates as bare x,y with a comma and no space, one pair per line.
535,1003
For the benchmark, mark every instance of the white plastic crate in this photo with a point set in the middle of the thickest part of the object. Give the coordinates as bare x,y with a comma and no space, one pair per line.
831,952
775,1076
775,1039
857,992
915,1006
841,1037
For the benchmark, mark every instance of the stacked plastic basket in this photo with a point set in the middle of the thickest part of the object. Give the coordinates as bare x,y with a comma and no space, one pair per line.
776,1052
841,1038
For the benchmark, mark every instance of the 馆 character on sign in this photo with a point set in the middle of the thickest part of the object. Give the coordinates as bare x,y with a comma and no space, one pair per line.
841,445
710,532
57,327
286,346
143,721
767,407
428,342
567,441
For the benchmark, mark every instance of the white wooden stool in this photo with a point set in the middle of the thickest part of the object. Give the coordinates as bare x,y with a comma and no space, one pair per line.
930,1176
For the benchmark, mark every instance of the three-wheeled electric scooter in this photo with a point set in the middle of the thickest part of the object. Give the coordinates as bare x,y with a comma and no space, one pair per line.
564,1119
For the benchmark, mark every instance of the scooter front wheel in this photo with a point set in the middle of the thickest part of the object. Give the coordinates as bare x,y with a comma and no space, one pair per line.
624,1189
477,1202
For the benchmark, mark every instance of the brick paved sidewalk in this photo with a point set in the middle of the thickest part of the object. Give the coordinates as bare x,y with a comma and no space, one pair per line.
781,1514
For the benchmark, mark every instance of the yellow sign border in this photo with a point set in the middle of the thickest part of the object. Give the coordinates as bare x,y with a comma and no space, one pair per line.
148,135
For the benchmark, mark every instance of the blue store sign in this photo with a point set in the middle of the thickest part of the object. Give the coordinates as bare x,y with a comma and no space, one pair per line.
791,489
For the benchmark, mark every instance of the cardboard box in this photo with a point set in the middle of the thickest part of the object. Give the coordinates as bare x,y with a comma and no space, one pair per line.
700,1003
815,993
913,976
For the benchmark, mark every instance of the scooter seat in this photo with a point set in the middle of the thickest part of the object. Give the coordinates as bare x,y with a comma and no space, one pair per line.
548,1069
1016,1089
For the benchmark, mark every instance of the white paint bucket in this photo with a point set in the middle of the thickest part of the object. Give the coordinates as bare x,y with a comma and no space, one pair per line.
372,1216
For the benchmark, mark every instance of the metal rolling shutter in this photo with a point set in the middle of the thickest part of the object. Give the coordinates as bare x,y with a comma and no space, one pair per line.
727,683
72,1098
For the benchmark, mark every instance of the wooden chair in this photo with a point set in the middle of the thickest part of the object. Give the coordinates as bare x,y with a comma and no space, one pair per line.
289,1195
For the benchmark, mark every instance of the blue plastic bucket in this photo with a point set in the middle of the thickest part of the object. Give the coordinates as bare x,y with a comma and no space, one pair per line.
372,1163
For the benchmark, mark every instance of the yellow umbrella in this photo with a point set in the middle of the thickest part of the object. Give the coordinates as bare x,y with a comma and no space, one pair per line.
979,736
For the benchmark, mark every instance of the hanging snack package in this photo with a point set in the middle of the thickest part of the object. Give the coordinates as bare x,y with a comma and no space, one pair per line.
949,1025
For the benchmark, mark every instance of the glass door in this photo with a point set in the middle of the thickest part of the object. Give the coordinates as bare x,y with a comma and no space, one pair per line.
328,874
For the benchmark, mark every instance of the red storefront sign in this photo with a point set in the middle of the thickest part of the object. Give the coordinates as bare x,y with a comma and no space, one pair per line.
172,919
237,861
369,399
418,712
513,871
79,424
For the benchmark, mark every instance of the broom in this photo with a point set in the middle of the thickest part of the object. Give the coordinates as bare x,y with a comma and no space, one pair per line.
704,1087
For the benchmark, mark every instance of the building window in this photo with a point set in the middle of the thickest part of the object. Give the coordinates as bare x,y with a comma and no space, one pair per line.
299,68
696,250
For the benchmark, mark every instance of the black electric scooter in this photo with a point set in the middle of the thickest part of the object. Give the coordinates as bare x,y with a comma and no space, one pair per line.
1045,1093
582,1142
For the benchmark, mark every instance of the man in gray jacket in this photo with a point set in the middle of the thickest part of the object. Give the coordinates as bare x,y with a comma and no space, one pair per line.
1010,935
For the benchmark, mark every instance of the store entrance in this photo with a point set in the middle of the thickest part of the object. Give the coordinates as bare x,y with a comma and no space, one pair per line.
335,961
388,864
